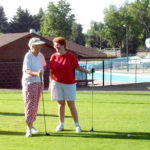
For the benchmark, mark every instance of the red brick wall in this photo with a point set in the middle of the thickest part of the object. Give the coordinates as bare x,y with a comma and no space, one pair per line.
11,74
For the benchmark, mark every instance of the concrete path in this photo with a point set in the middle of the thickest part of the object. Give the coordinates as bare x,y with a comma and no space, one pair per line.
121,87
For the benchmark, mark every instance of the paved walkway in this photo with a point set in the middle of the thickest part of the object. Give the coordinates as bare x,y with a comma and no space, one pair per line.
121,87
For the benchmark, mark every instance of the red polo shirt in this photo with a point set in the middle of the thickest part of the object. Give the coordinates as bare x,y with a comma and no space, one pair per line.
62,67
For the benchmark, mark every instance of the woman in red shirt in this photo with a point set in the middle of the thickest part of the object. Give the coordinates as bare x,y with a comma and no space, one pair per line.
62,81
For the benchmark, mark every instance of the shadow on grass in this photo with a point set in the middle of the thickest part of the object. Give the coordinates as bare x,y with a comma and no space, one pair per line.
138,94
22,114
87,134
12,133
106,134
132,103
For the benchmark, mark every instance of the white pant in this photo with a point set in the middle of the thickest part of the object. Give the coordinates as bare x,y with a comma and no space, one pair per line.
60,91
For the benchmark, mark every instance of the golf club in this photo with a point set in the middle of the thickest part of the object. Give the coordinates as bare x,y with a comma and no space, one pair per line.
46,133
92,71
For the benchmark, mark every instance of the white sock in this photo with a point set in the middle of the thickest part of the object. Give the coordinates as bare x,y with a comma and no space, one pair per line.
61,123
77,124
28,128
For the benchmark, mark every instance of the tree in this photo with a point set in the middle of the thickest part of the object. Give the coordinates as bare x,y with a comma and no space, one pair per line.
135,16
21,22
58,20
113,29
140,11
94,36
118,21
77,35
37,19
3,21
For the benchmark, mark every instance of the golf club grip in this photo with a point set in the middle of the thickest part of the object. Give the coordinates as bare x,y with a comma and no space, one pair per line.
41,80
92,70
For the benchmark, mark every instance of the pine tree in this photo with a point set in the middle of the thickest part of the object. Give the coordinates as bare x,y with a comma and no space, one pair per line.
21,22
3,21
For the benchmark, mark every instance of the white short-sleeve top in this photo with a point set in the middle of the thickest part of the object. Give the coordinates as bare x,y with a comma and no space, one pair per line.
33,63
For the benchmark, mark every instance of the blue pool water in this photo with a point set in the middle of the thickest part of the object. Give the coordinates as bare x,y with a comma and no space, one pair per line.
120,78
124,78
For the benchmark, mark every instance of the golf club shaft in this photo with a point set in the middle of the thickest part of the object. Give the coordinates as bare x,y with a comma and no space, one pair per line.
43,104
92,98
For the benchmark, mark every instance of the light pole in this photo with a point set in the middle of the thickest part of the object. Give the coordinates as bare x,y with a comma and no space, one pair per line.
127,54
100,43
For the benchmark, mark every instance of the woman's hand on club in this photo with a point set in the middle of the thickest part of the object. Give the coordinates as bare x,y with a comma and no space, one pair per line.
91,71
39,73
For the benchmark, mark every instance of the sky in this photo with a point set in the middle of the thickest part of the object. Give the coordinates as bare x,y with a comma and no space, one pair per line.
85,10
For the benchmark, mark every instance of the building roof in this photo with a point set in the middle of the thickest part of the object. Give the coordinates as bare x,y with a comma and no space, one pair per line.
85,52
10,37
81,51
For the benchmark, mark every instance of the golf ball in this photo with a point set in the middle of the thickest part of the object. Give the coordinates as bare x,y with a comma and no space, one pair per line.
129,135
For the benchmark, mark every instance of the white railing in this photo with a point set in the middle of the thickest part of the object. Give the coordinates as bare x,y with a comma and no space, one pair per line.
114,52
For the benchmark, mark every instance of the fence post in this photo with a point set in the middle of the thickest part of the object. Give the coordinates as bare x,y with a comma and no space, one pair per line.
86,68
136,71
111,72
103,74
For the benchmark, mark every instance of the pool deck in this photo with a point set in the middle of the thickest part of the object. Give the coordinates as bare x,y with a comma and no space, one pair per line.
120,86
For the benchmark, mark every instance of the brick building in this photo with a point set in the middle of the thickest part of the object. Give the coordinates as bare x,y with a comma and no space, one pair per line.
13,47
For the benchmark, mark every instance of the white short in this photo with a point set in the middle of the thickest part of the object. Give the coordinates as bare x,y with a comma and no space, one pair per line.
60,91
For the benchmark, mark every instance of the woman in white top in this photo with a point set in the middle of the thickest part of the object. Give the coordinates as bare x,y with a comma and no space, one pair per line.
34,65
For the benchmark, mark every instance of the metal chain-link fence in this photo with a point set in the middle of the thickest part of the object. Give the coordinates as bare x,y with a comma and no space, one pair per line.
118,71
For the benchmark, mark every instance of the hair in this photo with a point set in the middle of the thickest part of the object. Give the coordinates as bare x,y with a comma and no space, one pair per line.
60,40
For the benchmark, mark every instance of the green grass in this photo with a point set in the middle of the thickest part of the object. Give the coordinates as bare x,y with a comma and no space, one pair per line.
116,114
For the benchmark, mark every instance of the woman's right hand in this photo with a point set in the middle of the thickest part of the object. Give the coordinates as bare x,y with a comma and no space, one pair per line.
39,73
33,73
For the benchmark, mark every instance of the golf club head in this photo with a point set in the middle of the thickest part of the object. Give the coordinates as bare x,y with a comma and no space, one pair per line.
91,130
48,134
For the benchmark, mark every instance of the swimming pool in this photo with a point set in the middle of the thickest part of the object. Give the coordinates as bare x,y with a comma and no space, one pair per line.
110,77
124,78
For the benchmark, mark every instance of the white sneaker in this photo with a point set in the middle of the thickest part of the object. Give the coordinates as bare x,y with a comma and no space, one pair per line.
28,133
78,129
60,127
34,131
